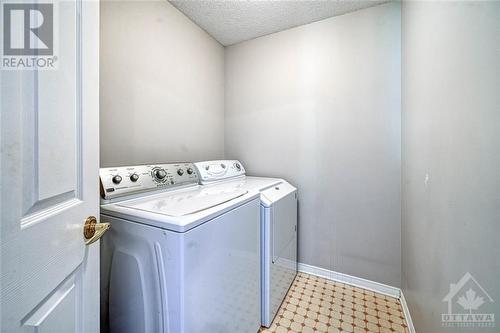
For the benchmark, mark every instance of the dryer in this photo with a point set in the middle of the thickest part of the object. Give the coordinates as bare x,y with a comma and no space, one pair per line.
278,207
179,257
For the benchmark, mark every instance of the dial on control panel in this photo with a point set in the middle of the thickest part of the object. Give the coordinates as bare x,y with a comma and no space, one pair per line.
134,177
189,171
180,172
117,179
160,174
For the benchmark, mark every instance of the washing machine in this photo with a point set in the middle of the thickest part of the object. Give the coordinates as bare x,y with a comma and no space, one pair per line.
278,213
179,257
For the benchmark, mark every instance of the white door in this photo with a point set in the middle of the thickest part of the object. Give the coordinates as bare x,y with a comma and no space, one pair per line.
49,183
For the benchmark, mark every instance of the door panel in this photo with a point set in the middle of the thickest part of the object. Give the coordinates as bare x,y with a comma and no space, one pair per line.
59,312
49,183
59,143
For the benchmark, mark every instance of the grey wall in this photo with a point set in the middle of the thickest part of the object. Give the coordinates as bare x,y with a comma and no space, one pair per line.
451,155
162,86
320,106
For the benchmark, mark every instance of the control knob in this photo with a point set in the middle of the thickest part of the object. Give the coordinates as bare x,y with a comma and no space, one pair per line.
117,179
180,172
238,166
134,177
160,174
189,171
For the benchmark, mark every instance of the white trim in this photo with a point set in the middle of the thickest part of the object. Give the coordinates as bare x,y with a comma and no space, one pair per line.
406,312
351,280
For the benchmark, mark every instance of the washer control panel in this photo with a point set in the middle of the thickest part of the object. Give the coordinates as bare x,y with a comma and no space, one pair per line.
119,181
209,171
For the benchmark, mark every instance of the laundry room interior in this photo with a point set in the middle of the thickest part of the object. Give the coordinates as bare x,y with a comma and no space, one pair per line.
255,167
320,105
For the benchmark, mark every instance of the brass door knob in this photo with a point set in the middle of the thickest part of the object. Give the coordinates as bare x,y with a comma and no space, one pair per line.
92,230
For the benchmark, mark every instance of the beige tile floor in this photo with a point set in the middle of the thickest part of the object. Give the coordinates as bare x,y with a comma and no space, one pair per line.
314,304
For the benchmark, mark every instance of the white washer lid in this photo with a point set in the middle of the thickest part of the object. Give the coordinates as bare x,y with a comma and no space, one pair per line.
185,203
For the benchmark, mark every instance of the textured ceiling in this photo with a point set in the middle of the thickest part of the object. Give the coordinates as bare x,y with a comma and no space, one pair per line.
234,21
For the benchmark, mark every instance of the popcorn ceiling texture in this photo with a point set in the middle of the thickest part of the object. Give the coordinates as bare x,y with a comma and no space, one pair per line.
231,22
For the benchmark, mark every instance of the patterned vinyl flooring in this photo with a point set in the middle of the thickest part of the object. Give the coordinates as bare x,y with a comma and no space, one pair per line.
314,304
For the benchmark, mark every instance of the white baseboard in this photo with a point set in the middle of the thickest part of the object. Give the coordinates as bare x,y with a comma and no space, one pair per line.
406,312
351,280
